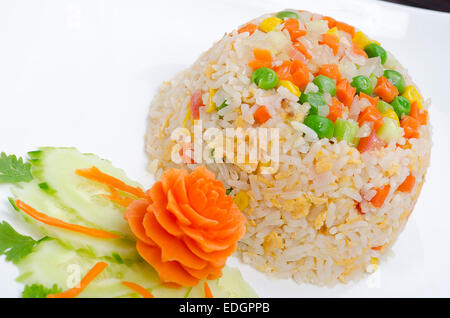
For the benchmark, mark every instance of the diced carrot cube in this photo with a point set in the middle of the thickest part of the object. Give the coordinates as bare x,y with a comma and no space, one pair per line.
345,92
250,28
385,89
330,70
331,40
262,115
408,184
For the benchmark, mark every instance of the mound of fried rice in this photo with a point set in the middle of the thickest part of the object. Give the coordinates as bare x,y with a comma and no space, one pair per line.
312,219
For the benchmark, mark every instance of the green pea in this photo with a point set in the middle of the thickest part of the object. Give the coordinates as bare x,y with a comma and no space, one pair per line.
325,84
374,50
383,106
287,15
396,79
401,106
362,84
346,130
321,125
315,100
265,78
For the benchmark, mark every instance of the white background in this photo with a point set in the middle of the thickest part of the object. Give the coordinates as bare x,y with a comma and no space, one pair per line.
83,73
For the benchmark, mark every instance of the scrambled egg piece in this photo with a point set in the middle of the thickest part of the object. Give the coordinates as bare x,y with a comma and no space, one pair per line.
263,179
374,262
324,164
272,242
352,160
282,175
318,200
209,71
319,221
240,121
298,208
404,215
393,170
383,224
349,265
275,203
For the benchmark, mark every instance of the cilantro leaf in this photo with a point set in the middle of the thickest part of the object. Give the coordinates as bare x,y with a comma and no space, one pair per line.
39,291
14,170
14,245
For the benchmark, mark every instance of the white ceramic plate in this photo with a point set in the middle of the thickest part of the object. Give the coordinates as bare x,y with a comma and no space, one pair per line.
83,72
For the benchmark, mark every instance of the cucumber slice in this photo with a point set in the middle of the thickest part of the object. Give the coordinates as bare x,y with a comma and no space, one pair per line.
199,290
166,292
232,282
52,263
230,285
389,131
55,167
33,195
67,267
59,192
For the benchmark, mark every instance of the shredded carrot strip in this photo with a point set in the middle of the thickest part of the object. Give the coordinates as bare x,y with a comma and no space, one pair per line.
117,198
58,223
90,276
96,175
172,285
139,289
208,293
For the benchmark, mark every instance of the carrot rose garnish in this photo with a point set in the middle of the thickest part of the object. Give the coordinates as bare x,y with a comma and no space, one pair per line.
187,227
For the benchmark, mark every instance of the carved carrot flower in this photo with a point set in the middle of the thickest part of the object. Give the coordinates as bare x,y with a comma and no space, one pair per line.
187,227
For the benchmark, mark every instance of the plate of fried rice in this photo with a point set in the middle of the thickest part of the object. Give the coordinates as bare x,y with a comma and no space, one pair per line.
343,103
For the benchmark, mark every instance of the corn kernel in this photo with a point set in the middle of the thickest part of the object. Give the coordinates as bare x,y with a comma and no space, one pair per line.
390,113
333,31
361,40
269,24
412,95
211,104
291,87
242,200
